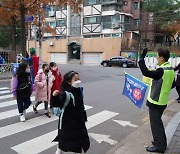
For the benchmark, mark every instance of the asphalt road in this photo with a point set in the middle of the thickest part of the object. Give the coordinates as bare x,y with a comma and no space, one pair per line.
112,116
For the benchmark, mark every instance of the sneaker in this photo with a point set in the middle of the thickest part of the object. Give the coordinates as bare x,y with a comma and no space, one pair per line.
22,118
48,115
34,109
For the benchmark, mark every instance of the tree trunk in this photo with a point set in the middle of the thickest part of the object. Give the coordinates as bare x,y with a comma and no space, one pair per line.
23,31
13,47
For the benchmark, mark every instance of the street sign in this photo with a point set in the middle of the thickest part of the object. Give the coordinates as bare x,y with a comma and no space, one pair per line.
29,18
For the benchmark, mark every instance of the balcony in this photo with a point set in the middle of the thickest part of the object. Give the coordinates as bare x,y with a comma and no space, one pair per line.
108,2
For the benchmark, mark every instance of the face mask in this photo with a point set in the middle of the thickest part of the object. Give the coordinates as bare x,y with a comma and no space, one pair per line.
76,84
27,70
54,68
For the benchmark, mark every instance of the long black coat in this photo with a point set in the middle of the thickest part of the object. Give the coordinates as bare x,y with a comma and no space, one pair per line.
177,68
73,136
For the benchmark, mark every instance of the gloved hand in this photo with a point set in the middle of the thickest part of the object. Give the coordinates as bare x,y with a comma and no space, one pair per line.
143,55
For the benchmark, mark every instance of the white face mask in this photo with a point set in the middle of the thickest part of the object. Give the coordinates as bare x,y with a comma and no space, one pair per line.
27,70
76,84
54,68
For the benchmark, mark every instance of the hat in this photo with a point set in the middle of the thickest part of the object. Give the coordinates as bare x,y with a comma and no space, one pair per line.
32,51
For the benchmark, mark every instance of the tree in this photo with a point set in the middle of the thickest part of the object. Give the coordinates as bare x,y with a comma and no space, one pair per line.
20,8
5,39
166,16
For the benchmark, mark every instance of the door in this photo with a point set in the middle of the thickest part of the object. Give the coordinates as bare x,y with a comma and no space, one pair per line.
91,58
59,58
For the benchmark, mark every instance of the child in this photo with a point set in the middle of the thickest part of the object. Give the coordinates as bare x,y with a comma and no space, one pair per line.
43,82
72,131
58,79
21,88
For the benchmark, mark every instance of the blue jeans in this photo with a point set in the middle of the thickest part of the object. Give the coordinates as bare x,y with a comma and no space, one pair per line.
23,103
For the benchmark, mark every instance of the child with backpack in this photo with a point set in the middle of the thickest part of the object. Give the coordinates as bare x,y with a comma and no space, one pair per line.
43,83
72,131
21,88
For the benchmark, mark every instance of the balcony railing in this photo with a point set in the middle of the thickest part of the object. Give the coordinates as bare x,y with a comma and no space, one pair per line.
107,2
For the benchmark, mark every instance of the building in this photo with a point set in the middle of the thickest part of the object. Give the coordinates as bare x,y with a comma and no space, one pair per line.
102,30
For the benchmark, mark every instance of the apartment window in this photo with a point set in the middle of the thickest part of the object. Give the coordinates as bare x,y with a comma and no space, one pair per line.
125,3
111,7
52,24
136,22
108,20
115,35
61,23
91,2
92,20
136,5
107,35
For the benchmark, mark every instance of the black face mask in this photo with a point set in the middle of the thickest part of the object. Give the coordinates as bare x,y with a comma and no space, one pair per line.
47,70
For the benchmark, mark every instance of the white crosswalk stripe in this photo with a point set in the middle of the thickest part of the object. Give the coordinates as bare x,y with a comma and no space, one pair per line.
5,91
43,142
5,96
12,102
4,88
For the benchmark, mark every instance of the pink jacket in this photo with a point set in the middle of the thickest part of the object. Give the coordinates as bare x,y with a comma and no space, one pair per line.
42,92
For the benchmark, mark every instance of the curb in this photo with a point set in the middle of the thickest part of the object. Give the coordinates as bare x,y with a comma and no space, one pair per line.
170,130
171,127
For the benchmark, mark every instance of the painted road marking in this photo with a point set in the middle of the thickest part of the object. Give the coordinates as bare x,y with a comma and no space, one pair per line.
44,142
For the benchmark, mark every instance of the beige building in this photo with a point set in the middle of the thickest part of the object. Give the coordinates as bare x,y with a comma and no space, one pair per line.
99,32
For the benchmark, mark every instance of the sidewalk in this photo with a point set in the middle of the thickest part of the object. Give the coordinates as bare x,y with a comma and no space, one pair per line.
136,142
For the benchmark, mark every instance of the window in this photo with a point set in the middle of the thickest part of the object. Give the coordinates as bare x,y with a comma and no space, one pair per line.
108,20
115,35
136,5
136,22
125,3
91,2
107,35
52,24
61,23
111,7
92,20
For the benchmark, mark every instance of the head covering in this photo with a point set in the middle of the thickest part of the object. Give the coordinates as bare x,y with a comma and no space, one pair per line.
32,51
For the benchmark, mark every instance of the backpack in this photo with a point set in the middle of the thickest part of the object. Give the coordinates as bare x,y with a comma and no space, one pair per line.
59,112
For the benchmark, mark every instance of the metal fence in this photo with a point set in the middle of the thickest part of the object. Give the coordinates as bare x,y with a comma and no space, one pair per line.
4,68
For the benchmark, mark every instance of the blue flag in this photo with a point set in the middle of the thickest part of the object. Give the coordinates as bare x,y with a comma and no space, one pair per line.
134,89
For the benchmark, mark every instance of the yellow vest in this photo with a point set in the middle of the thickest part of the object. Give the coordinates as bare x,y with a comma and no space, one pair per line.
160,89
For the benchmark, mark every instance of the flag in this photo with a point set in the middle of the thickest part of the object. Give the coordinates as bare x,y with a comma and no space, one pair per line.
134,89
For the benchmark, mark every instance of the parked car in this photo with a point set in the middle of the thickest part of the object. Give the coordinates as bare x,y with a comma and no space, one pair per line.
118,61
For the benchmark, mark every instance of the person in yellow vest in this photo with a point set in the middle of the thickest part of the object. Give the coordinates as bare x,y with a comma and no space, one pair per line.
157,99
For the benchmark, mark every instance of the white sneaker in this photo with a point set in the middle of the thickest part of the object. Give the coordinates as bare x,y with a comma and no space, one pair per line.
22,118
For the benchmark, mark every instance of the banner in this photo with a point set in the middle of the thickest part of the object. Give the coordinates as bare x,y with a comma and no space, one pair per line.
134,89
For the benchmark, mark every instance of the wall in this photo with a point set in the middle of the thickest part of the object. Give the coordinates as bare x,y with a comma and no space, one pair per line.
109,46
59,46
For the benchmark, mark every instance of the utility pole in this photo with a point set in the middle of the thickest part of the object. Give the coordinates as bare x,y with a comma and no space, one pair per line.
23,31
40,32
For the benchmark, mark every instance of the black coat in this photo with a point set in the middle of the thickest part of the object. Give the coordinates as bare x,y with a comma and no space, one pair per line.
73,136
177,68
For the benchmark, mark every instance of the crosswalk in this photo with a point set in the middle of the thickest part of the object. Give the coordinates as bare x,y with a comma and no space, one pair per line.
42,142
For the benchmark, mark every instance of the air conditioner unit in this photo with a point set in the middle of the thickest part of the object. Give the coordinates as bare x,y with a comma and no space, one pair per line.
115,25
51,13
51,43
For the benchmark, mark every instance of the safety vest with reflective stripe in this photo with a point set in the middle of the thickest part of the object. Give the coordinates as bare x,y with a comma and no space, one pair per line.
160,89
